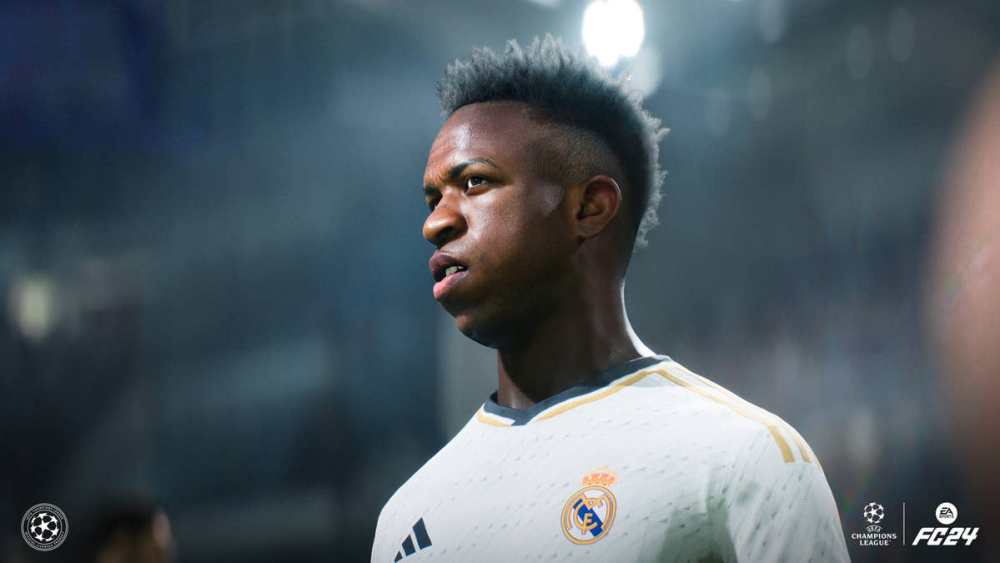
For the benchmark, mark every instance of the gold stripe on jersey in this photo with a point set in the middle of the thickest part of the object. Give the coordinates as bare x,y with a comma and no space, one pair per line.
484,417
804,451
727,399
803,447
786,452
753,412
607,391
704,388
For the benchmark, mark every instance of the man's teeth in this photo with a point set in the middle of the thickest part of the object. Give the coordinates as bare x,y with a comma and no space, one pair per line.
452,269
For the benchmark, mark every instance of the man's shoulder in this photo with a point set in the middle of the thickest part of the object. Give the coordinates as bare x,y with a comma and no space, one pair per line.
442,467
710,413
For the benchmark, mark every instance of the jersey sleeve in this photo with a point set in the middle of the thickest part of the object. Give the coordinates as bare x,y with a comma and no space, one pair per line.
379,554
777,510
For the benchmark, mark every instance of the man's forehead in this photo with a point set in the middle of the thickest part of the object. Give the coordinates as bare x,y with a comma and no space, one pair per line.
495,130
454,137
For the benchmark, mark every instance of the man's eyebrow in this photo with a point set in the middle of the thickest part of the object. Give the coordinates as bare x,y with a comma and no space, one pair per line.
455,171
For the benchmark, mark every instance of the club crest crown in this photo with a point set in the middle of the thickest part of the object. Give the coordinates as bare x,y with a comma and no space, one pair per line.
602,477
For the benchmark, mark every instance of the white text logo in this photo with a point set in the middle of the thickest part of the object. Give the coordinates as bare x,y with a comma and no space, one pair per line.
946,513
873,536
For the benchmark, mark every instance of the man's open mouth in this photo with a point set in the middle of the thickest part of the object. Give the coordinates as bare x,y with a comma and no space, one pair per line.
443,265
452,270
447,271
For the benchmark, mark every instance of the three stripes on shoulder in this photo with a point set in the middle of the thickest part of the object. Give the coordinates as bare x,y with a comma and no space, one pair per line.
423,540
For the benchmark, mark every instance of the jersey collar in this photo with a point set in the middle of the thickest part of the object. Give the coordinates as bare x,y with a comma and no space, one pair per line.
521,417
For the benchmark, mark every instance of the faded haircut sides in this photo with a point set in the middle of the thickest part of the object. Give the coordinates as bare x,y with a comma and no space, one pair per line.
570,89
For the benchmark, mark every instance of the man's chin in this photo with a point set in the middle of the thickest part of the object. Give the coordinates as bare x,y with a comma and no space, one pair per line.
479,328
466,324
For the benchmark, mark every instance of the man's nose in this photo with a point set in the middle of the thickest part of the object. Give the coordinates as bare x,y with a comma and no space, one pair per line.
444,224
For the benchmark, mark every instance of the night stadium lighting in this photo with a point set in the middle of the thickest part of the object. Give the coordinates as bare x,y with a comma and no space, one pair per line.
613,29
31,303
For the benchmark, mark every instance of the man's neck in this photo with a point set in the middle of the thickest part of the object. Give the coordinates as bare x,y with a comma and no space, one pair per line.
564,350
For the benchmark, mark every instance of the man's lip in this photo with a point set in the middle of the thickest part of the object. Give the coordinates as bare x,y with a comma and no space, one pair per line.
443,286
441,261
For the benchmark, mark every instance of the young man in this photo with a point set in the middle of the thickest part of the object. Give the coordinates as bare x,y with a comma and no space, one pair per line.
539,184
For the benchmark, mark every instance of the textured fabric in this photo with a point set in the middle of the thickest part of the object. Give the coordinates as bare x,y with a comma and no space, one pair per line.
658,464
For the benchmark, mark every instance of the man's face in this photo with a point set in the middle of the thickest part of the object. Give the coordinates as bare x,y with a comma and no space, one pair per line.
503,233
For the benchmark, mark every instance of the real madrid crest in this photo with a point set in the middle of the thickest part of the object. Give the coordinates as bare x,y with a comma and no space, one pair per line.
590,511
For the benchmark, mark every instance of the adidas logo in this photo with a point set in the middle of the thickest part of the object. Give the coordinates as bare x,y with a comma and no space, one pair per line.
423,540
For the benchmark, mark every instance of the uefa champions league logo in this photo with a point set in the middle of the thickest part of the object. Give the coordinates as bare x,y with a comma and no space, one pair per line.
44,527
874,513
874,535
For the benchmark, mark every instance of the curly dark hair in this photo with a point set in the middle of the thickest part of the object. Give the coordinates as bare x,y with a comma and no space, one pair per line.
569,89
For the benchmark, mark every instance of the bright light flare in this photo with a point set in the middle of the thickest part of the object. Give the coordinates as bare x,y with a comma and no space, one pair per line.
31,302
613,29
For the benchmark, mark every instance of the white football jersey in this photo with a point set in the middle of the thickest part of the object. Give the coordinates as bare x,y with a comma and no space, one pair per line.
647,462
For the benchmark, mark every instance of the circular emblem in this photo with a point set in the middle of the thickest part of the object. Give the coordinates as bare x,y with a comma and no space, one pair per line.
874,513
44,527
588,514
946,513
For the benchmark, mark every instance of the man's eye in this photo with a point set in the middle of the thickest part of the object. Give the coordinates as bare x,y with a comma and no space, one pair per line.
473,181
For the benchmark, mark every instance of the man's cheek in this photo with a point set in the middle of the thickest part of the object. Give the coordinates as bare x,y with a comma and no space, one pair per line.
550,200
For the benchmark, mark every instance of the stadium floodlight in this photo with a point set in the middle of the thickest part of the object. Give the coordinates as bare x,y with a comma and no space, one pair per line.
613,29
31,302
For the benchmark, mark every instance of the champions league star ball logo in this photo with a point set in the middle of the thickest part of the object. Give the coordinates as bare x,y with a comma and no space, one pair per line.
874,513
44,527
589,513
874,535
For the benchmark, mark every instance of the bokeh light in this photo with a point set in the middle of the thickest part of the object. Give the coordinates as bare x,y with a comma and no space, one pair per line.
613,29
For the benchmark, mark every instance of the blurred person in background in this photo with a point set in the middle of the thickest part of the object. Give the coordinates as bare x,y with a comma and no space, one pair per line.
540,184
965,299
135,530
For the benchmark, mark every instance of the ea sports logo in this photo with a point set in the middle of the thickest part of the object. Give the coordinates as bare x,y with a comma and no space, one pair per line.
946,513
44,527
874,513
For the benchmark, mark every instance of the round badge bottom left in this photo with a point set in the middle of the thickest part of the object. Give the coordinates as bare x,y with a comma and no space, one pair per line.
44,526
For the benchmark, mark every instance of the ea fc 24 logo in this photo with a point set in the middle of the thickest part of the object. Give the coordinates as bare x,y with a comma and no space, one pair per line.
946,513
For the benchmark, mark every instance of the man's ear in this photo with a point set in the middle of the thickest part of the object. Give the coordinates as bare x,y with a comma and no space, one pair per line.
600,198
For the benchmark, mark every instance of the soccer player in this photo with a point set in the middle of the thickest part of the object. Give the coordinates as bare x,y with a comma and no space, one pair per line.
539,184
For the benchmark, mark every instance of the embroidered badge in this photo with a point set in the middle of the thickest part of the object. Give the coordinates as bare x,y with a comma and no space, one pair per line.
590,511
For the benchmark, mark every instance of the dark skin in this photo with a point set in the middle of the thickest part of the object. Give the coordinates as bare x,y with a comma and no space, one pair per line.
545,247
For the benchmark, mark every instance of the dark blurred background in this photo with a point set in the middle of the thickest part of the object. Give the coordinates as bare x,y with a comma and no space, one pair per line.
215,292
